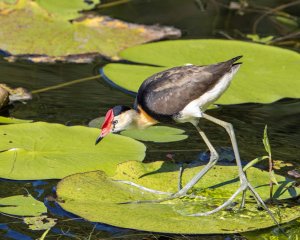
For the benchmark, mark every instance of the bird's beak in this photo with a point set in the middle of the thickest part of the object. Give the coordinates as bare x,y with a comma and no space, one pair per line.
103,133
99,139
101,136
106,126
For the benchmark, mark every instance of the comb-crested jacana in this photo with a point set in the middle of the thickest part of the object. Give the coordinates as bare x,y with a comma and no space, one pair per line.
182,94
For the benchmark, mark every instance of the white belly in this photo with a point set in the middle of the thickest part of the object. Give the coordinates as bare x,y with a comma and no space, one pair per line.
195,108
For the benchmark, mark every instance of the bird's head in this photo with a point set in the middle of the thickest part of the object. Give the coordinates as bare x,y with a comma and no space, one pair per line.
116,119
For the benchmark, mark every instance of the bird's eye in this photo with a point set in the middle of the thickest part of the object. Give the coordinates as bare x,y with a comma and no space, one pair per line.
114,122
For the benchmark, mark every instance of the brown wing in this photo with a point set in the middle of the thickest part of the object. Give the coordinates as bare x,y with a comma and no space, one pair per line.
168,92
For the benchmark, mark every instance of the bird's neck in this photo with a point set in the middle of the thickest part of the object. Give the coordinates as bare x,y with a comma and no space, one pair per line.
140,119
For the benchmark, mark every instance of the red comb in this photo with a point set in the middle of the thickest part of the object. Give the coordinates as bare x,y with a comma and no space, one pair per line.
108,118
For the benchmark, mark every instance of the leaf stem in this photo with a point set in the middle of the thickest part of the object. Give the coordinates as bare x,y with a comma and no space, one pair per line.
64,84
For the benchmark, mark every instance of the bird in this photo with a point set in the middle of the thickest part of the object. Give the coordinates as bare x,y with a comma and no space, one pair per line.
178,95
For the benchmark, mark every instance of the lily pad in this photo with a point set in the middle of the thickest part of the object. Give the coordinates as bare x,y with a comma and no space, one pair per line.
160,134
8,120
46,151
40,222
67,9
22,206
156,134
81,195
267,74
88,36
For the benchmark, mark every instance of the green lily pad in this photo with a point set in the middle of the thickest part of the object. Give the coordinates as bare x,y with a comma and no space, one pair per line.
44,151
8,120
40,222
67,9
81,195
267,74
160,134
22,206
81,40
156,134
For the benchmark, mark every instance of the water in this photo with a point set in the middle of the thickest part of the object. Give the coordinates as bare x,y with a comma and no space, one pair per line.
78,104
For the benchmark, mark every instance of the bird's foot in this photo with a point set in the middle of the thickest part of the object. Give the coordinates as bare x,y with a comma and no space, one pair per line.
245,185
142,188
181,169
172,197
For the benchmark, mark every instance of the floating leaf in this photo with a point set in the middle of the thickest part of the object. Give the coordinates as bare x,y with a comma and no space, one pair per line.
88,36
40,222
44,151
81,195
267,74
278,164
67,9
156,134
22,206
153,134
8,120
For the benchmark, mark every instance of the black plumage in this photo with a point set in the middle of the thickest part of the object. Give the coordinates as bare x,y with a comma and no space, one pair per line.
117,110
166,93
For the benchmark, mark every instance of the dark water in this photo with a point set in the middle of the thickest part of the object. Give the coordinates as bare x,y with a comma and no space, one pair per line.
78,104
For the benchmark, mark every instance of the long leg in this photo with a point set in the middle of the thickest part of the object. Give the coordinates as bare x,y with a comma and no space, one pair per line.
142,187
214,156
183,191
244,182
180,172
212,161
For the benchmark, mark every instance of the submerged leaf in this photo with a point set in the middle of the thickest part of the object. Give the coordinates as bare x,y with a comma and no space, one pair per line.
40,222
266,75
44,151
22,206
81,195
290,231
278,164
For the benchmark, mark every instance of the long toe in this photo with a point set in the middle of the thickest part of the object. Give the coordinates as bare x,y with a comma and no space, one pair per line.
142,188
224,205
